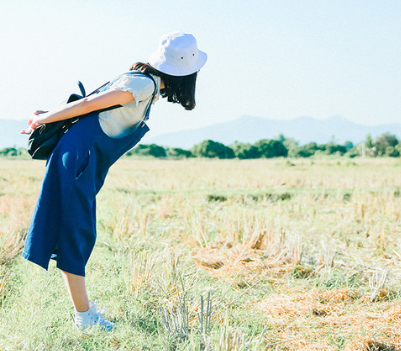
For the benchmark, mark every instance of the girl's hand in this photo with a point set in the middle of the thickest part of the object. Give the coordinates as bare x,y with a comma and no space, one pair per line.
33,122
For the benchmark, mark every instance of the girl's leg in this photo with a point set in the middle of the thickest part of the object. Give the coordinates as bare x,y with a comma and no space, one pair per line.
85,315
77,290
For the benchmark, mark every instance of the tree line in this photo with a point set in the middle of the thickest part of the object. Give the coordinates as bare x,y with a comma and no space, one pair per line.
385,145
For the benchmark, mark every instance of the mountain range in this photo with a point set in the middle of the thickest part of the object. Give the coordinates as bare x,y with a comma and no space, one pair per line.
245,129
303,129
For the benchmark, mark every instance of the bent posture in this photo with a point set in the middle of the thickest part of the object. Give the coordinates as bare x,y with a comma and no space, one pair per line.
63,225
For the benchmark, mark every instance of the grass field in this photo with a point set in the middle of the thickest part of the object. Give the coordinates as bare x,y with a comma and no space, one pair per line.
218,255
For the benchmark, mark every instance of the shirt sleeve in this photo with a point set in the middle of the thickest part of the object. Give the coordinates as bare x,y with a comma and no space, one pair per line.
140,87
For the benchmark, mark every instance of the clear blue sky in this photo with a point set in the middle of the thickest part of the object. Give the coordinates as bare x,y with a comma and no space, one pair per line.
277,59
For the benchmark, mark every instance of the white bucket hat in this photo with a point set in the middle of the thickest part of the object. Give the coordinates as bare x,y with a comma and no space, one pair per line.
178,55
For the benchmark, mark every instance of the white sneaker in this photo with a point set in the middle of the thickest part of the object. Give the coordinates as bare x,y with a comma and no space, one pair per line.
91,317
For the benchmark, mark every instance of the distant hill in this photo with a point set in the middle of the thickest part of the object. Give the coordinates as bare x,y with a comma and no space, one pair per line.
303,129
245,129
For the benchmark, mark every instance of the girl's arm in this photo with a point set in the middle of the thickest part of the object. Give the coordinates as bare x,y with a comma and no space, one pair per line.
80,107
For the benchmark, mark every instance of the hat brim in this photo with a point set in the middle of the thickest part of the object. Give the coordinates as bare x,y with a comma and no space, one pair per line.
159,63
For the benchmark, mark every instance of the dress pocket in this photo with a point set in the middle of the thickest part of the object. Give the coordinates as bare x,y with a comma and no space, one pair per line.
83,165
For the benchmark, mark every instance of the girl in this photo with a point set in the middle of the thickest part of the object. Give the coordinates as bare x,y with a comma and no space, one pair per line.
63,225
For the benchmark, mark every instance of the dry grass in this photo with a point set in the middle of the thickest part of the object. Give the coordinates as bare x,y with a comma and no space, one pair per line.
264,251
343,313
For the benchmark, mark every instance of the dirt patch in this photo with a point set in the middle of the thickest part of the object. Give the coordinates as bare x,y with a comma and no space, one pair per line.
370,345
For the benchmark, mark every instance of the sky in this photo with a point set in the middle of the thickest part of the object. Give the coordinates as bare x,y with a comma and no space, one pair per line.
277,59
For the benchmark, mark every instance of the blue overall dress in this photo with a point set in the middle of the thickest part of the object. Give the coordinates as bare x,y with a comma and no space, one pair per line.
63,225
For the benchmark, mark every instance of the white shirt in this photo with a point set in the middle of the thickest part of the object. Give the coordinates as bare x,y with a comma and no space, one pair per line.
119,122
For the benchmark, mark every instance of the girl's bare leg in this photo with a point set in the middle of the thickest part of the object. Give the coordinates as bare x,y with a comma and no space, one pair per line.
77,290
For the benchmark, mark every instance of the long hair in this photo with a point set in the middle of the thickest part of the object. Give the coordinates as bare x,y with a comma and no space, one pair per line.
176,89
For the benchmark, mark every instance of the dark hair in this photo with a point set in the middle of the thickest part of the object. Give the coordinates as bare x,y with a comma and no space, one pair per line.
177,89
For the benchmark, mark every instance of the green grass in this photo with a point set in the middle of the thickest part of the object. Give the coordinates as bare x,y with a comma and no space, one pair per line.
300,257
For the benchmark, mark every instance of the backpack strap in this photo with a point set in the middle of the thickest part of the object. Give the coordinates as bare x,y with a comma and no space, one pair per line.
82,89
139,73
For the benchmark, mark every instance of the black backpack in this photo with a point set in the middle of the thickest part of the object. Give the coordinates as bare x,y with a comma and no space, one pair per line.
43,139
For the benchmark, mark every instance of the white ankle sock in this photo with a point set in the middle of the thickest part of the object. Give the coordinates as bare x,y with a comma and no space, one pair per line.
82,314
